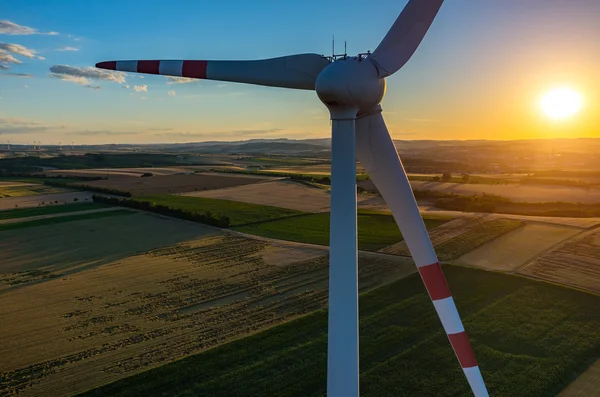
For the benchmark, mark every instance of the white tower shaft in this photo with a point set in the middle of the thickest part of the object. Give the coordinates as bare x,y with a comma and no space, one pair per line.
342,362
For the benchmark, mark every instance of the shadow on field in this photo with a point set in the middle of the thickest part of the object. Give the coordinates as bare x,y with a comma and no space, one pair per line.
72,247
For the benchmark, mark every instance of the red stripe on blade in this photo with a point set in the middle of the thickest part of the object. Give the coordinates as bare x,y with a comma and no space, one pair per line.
194,69
434,281
110,65
150,67
462,348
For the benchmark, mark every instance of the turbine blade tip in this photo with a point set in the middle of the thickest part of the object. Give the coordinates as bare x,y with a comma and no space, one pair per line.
110,65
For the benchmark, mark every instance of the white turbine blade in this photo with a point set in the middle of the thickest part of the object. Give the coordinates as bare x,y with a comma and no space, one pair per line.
294,71
405,35
342,345
377,153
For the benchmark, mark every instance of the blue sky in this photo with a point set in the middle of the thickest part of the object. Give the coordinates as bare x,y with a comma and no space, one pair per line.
477,74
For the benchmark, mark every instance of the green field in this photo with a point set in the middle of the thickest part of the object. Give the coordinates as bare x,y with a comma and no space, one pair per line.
531,339
31,190
375,230
239,213
475,237
63,219
48,210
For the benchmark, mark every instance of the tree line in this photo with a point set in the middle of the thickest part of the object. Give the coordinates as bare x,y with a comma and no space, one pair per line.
207,218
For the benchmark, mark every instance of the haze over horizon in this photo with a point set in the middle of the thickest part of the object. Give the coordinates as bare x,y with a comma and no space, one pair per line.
478,74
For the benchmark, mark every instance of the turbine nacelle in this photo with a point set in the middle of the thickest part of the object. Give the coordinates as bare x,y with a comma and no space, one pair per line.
349,86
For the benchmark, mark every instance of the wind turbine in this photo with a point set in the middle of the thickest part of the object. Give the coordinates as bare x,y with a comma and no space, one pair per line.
352,89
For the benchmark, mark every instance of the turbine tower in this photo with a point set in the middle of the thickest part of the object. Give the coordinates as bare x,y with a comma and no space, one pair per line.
352,89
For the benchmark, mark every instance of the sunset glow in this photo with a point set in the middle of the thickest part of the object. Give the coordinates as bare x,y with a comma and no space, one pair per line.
561,103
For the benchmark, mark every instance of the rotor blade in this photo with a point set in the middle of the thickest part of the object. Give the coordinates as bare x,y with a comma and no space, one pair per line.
342,345
405,35
377,153
293,71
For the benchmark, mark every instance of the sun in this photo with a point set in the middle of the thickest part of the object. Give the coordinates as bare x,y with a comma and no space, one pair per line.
561,103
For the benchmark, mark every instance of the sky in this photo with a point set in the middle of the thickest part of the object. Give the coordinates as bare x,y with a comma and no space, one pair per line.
478,73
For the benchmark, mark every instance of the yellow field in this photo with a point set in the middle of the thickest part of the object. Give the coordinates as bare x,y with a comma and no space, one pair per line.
285,194
576,263
516,248
128,295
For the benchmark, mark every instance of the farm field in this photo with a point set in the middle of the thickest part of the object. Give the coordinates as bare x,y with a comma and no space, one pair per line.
35,221
527,335
16,189
99,322
238,212
76,246
473,238
576,263
48,210
461,235
285,194
44,199
171,184
135,172
441,233
517,247
375,230
523,193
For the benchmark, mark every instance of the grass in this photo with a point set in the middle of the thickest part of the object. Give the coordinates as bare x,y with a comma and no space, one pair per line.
239,213
63,219
475,237
376,230
530,338
48,210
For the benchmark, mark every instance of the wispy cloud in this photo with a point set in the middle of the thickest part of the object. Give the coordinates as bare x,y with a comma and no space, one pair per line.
230,133
102,132
18,49
81,75
11,28
67,49
25,75
140,88
180,80
13,125
126,86
172,93
6,58
41,58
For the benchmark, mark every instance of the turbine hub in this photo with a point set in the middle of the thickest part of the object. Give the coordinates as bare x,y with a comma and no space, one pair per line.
350,86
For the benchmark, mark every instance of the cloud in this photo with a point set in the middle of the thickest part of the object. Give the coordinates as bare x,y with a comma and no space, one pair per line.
171,93
102,132
67,49
6,58
180,80
4,66
221,133
25,75
13,125
41,58
11,28
144,97
18,49
26,86
126,86
81,75
140,88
